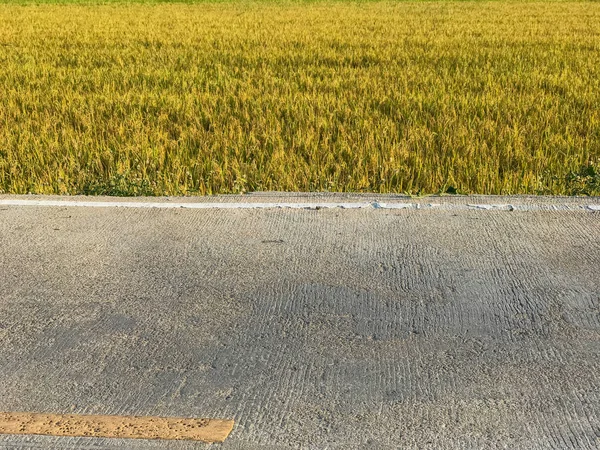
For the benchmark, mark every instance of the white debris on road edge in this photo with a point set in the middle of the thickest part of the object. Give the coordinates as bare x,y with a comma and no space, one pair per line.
204,204
490,207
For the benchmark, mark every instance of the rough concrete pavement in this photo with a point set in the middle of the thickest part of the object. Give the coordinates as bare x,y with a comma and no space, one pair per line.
437,327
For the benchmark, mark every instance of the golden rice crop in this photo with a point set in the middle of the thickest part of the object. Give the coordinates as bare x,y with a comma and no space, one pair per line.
418,97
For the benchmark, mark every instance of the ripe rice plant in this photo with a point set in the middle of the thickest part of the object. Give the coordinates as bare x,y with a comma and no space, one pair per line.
219,97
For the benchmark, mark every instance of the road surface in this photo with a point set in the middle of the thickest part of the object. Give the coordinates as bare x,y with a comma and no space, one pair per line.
441,322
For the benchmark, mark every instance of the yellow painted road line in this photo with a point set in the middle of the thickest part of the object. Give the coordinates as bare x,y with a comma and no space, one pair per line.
137,427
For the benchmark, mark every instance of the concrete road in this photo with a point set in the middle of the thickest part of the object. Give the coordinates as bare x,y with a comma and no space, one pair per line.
446,323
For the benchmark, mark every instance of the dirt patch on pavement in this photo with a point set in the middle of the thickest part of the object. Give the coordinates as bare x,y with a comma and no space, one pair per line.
206,430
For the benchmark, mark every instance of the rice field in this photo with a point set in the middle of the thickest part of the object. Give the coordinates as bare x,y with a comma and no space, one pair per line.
197,98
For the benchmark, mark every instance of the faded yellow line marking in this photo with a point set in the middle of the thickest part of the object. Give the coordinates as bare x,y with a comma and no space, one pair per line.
136,427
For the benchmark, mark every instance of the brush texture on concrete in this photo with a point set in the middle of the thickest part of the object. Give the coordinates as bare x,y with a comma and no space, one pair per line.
421,328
